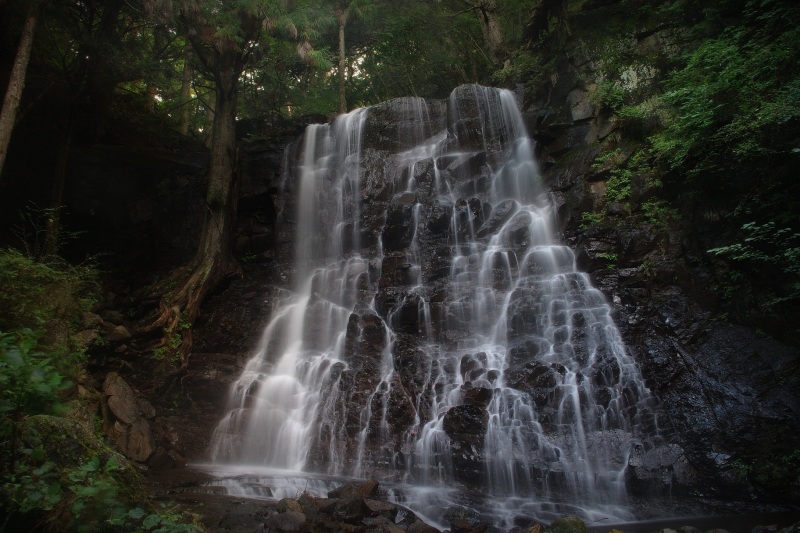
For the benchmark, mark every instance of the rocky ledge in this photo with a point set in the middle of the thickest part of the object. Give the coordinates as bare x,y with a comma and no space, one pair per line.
363,508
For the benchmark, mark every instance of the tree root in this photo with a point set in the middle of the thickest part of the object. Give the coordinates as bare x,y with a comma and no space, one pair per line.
180,307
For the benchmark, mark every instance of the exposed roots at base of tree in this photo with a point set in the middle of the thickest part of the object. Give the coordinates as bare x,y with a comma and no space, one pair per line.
180,307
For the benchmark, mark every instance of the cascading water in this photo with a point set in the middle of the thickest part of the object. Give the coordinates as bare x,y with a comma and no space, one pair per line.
436,335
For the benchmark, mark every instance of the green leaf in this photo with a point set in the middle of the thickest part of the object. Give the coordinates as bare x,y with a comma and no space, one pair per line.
111,465
151,521
136,513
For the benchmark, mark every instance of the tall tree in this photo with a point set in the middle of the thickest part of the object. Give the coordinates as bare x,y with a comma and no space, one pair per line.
342,14
185,92
344,10
90,47
223,36
488,14
16,82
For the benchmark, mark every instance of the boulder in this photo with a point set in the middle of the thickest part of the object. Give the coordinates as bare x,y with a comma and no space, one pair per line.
114,333
567,524
125,423
287,521
121,398
362,491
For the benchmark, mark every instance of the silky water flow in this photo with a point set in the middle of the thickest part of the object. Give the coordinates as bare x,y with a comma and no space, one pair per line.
435,335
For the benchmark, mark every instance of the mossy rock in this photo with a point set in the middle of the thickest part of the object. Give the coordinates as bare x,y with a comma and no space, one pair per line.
567,524
69,445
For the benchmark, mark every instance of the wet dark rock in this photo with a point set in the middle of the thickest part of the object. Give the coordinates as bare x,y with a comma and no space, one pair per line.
466,424
399,229
463,520
124,423
480,396
421,527
165,459
400,124
501,214
286,521
362,491
567,524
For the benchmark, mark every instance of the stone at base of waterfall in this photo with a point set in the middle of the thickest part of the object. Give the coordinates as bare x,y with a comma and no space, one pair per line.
288,504
165,459
421,527
463,520
352,508
567,524
288,521
365,489
124,423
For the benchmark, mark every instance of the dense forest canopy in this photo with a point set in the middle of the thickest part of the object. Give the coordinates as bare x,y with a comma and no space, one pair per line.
705,98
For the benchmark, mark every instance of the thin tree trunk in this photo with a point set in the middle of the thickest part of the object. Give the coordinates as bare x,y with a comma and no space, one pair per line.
487,14
211,114
150,98
53,225
221,197
186,92
213,260
341,16
16,83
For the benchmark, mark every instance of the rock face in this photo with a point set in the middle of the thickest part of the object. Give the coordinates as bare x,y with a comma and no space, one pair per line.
406,267
431,329
729,406
127,423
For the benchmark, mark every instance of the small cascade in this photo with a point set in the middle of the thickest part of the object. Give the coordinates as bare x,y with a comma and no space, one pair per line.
436,335
276,400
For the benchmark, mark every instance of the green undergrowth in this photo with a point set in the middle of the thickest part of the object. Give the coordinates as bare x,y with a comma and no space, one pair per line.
631,182
55,473
44,302
708,106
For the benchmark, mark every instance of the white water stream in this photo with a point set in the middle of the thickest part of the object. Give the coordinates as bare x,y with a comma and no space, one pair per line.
512,292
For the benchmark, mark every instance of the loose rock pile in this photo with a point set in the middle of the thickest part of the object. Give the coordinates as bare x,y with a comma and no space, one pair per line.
359,509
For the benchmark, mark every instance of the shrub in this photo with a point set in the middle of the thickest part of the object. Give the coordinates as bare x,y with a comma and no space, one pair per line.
30,385
43,302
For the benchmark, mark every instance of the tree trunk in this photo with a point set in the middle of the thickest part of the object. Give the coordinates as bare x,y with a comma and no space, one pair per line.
341,17
213,260
208,131
221,197
486,11
53,225
151,95
16,83
186,92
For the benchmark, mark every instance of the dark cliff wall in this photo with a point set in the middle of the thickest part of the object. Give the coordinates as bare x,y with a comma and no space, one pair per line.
728,389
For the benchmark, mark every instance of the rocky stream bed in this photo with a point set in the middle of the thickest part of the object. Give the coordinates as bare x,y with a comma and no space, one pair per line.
363,508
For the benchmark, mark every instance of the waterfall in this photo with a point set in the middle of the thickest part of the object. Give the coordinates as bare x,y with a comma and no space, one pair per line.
435,333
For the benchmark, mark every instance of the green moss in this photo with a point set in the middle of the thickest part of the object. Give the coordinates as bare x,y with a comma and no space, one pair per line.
68,444
567,524
48,300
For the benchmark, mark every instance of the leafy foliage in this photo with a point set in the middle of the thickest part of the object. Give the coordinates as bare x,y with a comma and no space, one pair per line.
42,301
731,127
30,384
715,106
82,499
735,98
768,249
